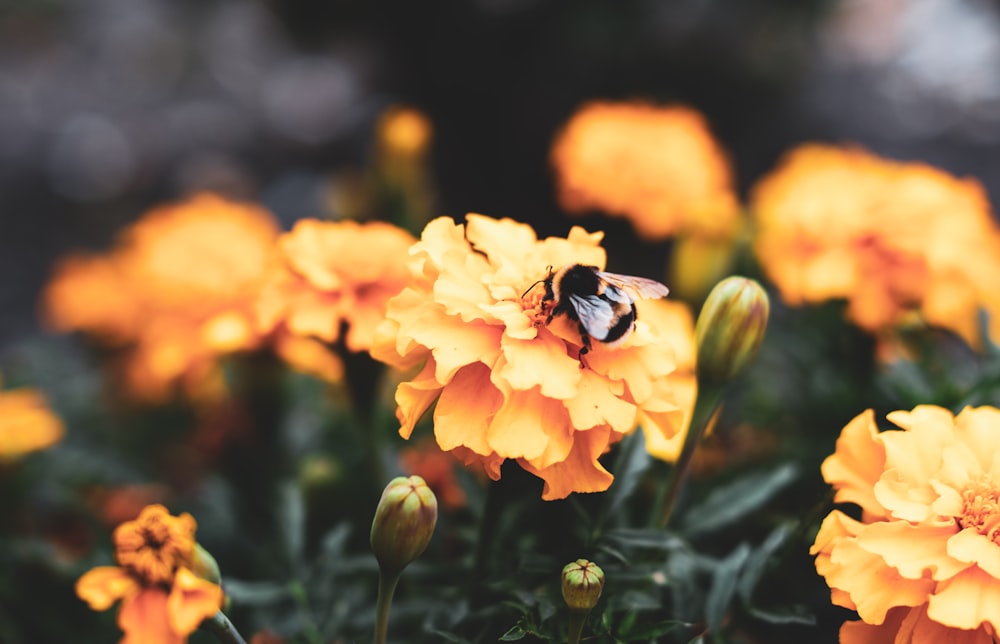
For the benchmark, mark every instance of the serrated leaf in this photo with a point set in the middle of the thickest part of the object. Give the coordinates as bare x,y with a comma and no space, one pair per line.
630,464
731,502
724,582
758,559
794,615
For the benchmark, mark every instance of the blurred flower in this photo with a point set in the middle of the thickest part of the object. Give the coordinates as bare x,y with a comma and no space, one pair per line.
403,138
659,167
925,557
26,424
115,505
178,288
894,239
506,384
437,467
403,131
331,274
673,321
162,599
404,523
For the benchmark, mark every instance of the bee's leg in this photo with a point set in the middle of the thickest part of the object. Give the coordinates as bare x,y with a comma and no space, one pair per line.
585,349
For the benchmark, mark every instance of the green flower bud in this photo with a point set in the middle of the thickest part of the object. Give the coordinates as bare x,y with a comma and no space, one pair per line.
582,583
404,522
731,328
203,565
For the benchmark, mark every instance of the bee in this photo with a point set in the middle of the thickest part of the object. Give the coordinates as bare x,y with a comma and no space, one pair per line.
600,303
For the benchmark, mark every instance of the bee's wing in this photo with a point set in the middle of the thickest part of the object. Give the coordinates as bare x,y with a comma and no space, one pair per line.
637,287
596,314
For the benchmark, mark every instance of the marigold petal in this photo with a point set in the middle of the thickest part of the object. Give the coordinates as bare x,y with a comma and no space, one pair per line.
143,617
976,429
462,416
598,402
967,600
857,464
192,600
580,471
415,397
971,547
913,550
517,429
503,240
541,362
102,586
665,430
858,632
455,344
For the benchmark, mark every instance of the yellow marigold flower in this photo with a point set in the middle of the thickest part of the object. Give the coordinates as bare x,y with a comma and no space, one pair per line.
891,238
659,167
178,289
26,423
332,273
403,131
507,385
925,556
162,599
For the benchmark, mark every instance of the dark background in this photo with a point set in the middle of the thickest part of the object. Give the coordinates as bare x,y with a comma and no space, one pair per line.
110,106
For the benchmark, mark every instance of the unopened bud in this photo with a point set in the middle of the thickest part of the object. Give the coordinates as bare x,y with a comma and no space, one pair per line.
203,565
404,522
731,327
582,583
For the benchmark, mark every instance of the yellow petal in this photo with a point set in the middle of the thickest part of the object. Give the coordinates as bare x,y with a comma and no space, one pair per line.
541,362
144,619
463,413
857,464
102,586
192,600
517,429
598,402
580,472
415,397
967,600
858,632
971,547
913,550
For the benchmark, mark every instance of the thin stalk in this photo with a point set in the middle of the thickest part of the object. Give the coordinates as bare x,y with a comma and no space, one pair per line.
223,629
577,619
709,396
386,588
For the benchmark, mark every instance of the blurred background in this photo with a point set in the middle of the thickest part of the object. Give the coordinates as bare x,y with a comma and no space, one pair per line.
108,107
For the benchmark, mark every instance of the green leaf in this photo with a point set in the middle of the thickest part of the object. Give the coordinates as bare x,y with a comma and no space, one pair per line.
251,593
758,560
794,615
630,464
732,502
658,629
724,583
647,538
514,634
292,522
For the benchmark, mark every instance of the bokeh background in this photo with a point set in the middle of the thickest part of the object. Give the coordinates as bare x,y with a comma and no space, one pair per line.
108,107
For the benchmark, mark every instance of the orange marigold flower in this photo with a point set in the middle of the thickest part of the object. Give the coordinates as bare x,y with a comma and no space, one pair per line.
507,385
26,423
925,556
178,289
893,239
334,273
659,167
162,599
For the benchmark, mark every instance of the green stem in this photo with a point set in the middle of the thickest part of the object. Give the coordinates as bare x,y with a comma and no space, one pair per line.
386,588
577,618
709,396
484,541
223,629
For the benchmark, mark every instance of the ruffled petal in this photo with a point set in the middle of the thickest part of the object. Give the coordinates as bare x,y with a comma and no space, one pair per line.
517,429
541,362
102,586
971,547
580,472
857,464
967,600
913,550
192,600
462,416
143,617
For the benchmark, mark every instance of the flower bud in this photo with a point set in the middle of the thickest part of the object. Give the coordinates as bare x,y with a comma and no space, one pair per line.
731,327
582,583
203,565
404,522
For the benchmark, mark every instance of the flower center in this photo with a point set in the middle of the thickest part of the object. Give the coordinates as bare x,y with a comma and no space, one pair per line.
534,304
153,547
981,508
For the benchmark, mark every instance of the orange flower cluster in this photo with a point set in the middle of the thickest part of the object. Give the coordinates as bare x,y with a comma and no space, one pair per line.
659,167
923,563
26,424
163,601
178,290
334,273
894,239
508,386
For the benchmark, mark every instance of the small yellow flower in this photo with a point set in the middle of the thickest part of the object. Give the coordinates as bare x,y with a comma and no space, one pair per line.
925,556
506,384
657,166
893,239
26,423
162,600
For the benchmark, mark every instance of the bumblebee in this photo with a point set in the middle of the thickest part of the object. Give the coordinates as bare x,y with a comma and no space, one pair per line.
600,303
